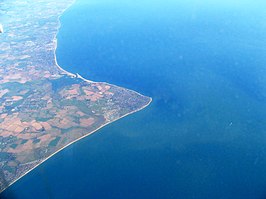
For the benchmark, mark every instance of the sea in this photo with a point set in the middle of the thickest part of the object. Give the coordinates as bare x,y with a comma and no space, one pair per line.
203,136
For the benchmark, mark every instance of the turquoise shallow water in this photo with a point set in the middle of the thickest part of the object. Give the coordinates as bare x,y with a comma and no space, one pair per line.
204,135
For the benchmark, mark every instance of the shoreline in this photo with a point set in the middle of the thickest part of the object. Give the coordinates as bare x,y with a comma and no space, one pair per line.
55,42
84,136
77,75
64,72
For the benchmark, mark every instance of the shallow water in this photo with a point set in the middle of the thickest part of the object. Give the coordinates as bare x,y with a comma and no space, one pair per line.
204,135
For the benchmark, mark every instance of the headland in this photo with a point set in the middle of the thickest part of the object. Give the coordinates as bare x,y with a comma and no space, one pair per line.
44,108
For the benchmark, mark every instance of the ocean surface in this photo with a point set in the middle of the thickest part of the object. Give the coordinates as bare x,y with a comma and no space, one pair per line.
203,136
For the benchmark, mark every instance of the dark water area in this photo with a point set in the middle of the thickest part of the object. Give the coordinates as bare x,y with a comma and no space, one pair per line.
204,135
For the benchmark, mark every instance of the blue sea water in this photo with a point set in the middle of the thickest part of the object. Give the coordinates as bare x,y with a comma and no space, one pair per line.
203,136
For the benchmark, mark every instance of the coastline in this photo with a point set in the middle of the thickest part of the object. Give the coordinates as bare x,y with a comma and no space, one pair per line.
55,42
77,75
64,72
92,132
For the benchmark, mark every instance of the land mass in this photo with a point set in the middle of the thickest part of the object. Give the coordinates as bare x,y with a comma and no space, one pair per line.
43,108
